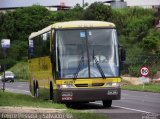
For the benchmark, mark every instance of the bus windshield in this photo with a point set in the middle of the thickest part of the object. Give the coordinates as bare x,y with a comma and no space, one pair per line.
89,53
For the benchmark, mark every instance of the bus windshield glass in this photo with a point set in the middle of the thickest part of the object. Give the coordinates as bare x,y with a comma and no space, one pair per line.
89,53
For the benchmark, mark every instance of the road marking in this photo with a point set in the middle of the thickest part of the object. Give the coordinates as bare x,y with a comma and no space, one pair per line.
125,108
132,109
10,89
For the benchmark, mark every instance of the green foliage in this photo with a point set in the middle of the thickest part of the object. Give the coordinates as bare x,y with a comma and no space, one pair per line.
8,62
18,25
98,11
133,25
28,20
20,70
21,100
75,14
85,115
151,87
17,100
133,53
134,70
151,42
23,21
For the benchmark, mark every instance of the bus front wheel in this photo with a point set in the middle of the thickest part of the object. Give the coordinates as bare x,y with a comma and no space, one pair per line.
107,103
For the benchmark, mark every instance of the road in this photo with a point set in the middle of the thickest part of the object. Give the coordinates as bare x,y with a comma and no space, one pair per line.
16,87
133,104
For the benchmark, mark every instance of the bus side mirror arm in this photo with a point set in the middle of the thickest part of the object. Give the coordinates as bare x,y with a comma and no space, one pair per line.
122,53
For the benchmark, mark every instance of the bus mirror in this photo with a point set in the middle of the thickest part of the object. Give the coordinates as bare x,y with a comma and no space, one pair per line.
123,54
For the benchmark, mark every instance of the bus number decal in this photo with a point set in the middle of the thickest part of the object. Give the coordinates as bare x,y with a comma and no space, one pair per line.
68,82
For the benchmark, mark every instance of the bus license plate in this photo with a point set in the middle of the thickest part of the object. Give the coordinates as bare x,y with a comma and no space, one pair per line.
112,92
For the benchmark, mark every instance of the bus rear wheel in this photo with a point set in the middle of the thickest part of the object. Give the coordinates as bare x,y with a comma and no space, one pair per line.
51,91
107,103
36,90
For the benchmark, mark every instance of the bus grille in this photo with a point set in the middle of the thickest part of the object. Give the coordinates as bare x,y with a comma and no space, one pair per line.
88,85
97,84
81,85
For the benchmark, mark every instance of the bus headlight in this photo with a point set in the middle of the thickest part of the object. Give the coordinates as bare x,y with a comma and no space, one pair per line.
114,84
65,86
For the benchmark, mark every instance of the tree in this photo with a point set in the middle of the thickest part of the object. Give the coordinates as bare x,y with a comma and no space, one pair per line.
151,43
76,13
98,11
18,25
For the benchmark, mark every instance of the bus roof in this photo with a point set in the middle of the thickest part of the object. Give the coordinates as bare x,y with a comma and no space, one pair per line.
82,24
74,24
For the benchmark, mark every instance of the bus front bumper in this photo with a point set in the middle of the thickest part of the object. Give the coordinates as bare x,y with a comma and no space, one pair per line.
88,94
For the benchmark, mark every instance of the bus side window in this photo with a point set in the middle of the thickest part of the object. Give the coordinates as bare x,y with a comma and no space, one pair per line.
45,44
35,50
30,48
41,46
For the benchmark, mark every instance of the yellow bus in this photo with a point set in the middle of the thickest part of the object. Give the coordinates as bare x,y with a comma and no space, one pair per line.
75,61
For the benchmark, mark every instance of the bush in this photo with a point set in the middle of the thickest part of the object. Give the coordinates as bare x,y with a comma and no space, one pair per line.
151,43
20,70
98,11
134,70
133,25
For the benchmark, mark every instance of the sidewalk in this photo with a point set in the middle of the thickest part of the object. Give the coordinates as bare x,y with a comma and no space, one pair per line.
8,109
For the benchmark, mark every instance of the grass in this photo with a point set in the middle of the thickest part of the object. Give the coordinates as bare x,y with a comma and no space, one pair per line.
86,115
21,71
11,99
21,100
151,87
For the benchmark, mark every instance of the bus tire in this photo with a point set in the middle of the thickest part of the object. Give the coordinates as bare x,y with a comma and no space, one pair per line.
107,103
51,91
35,89
69,104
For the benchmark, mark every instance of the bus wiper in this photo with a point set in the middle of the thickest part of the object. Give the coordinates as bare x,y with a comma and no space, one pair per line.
99,67
78,68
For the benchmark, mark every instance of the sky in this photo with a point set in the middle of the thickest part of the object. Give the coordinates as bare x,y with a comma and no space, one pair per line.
22,3
74,2
129,2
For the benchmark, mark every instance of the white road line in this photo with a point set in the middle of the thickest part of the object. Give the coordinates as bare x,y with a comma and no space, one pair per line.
132,109
10,89
125,108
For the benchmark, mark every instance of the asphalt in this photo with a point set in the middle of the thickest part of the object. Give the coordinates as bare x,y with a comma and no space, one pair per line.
145,101
16,87
133,104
